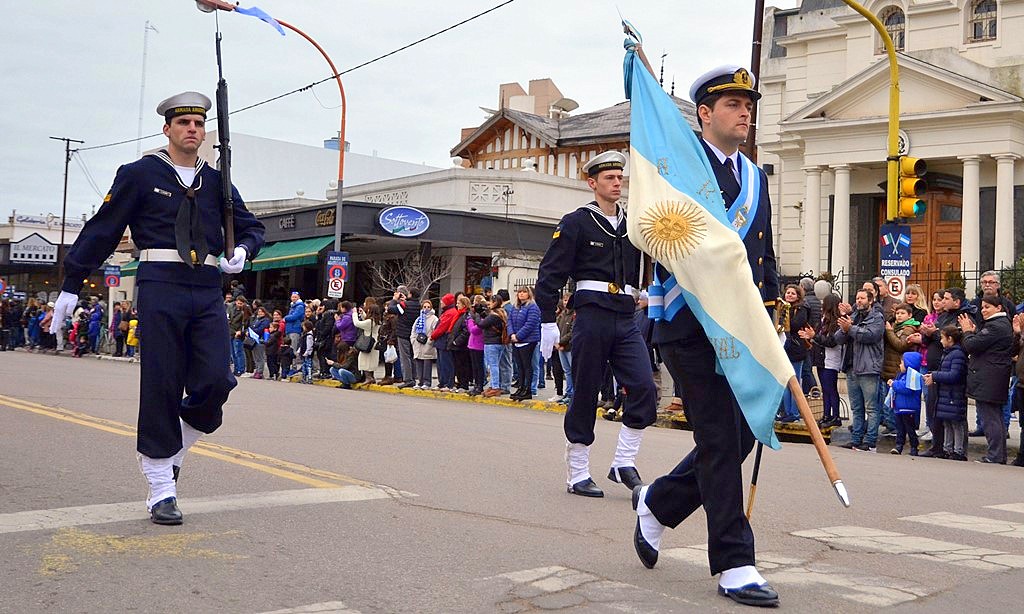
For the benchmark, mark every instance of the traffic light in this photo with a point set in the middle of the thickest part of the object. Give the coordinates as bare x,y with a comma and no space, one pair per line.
912,187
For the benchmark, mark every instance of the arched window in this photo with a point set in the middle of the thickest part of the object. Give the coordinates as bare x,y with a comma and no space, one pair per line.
895,23
981,24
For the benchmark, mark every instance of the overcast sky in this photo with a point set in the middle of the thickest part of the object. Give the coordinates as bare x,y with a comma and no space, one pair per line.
74,69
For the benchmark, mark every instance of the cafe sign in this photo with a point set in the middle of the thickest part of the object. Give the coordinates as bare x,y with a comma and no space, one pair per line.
404,221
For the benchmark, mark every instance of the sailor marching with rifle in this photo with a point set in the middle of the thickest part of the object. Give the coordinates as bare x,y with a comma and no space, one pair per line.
172,202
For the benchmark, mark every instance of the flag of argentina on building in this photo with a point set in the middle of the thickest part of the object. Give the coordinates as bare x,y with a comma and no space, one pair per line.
677,215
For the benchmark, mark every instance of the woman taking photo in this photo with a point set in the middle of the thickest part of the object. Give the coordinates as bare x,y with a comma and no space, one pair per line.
524,329
369,322
831,358
495,327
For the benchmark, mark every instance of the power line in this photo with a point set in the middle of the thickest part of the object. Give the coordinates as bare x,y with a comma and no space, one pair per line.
326,79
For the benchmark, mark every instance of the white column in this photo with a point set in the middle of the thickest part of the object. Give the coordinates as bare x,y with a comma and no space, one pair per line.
812,220
841,222
970,222
1004,209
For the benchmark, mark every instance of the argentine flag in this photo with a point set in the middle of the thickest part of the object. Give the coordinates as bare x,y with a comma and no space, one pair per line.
677,215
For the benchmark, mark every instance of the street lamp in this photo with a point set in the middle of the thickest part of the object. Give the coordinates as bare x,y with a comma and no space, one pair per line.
209,6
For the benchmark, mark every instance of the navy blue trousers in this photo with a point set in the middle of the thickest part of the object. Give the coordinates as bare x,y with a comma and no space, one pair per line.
600,337
186,337
711,475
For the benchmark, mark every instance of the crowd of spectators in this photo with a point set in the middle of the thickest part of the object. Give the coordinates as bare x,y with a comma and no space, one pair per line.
895,354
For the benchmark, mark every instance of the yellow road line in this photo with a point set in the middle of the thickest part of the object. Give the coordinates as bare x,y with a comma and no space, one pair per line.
267,464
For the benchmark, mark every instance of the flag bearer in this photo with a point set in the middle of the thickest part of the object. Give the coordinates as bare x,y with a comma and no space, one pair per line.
590,246
711,474
171,201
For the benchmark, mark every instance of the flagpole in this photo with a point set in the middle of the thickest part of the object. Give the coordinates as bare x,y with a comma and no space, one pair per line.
818,441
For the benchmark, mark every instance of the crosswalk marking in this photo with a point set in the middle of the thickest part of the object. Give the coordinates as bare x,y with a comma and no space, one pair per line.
784,571
327,607
876,540
556,588
39,520
1008,507
977,524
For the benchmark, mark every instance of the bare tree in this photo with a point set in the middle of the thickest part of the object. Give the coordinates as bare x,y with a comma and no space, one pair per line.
414,270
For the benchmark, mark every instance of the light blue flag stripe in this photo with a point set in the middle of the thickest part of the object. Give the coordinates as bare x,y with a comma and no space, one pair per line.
261,15
659,133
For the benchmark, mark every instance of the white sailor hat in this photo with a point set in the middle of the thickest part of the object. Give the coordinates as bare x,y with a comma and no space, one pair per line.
609,160
185,103
727,78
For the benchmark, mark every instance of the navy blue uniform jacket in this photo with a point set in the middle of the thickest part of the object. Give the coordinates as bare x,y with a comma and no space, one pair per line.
145,197
582,248
760,255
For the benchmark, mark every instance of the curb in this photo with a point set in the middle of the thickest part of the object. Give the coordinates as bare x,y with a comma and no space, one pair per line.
544,406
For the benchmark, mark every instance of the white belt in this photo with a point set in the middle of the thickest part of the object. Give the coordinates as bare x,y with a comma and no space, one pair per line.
170,255
602,286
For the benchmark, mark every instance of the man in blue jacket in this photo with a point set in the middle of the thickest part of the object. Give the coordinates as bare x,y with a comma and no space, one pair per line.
864,335
293,321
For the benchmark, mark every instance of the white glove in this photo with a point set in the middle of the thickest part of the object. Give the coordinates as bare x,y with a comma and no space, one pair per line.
548,338
236,263
62,310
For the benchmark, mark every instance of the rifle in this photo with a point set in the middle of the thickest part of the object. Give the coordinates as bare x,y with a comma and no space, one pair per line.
224,162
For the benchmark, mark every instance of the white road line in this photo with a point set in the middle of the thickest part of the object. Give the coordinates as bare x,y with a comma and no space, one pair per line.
876,540
40,520
327,607
977,524
1008,507
557,588
786,571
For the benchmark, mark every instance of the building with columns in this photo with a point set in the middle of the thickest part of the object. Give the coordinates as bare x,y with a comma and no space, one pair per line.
823,123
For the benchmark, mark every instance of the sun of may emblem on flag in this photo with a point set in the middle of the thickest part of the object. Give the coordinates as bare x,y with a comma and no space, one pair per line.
672,228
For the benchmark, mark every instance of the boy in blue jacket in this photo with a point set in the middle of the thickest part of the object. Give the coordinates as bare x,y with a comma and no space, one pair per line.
906,401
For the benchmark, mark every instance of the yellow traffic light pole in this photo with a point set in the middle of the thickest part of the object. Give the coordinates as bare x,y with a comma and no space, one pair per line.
892,160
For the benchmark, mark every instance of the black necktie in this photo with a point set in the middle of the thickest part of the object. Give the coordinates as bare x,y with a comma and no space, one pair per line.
730,187
188,233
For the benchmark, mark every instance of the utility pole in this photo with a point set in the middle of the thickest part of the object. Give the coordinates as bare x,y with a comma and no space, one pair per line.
750,147
142,88
64,211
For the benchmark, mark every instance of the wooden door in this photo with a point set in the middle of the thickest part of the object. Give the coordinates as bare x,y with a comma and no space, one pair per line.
935,240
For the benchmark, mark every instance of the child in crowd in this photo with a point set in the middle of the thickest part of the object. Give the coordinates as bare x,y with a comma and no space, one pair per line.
287,357
133,339
951,392
81,336
906,400
306,351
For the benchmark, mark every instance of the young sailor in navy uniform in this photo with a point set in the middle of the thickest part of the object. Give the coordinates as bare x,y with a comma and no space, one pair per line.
171,201
590,246
711,474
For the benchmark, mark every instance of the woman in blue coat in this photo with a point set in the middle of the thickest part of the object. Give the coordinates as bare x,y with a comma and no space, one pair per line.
95,326
524,333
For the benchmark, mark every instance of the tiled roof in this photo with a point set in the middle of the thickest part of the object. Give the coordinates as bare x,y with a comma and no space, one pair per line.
603,125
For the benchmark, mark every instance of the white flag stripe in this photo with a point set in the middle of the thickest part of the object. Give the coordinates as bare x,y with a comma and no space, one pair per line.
977,524
731,298
1008,507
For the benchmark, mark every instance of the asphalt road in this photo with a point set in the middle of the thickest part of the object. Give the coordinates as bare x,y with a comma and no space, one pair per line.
314,499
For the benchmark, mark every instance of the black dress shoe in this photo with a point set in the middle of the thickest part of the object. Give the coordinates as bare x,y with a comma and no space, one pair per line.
648,555
625,475
176,469
166,512
762,595
585,488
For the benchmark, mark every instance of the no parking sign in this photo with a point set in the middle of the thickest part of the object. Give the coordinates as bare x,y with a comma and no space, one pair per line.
897,285
337,272
112,276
